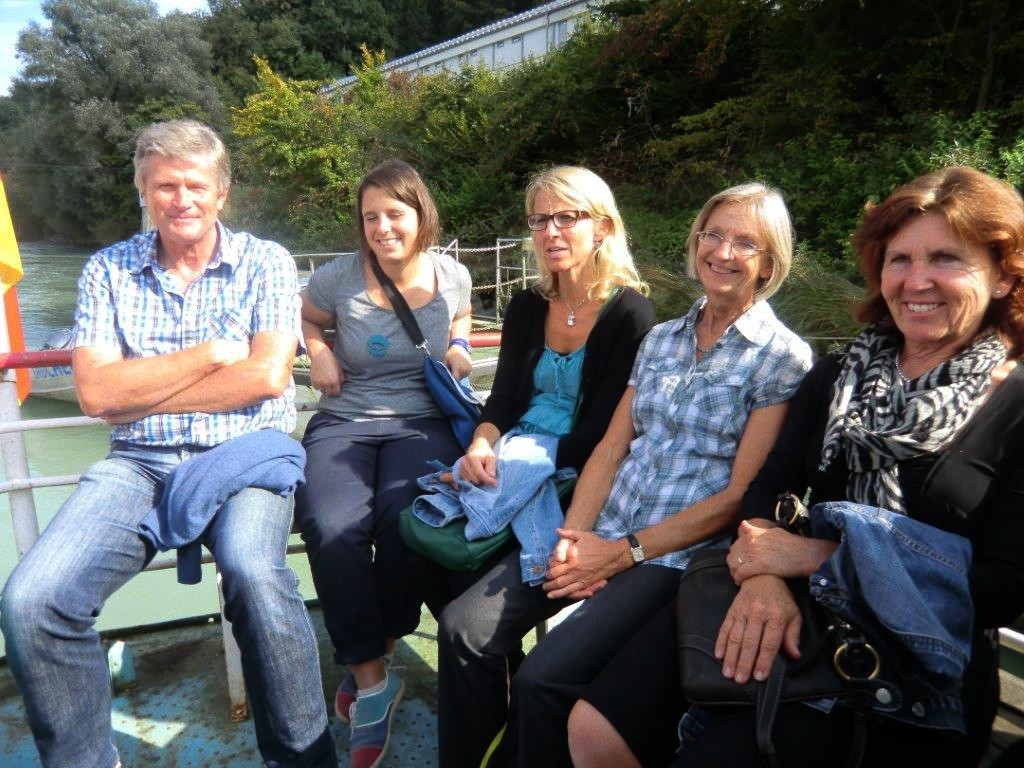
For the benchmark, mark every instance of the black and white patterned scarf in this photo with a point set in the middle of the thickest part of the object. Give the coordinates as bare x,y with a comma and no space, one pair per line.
876,420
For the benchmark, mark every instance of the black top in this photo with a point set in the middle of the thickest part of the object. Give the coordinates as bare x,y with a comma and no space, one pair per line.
975,487
607,363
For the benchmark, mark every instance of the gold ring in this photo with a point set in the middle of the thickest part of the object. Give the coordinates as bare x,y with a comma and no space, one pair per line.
739,560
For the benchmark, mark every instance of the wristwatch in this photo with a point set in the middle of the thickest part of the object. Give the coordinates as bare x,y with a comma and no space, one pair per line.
635,549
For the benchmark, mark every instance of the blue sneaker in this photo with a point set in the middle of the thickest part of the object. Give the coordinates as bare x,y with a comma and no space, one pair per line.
345,697
371,723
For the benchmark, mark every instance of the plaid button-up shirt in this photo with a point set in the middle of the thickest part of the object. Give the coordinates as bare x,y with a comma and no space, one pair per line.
689,416
128,300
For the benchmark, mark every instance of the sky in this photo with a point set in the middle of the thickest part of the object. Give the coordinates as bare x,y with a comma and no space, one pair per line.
16,14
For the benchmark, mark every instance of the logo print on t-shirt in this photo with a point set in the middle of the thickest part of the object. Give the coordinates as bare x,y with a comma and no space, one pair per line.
377,345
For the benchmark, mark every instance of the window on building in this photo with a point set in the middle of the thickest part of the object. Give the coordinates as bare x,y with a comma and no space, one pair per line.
561,32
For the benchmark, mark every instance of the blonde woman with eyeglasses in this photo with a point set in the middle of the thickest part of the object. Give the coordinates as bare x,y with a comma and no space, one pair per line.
587,282
568,344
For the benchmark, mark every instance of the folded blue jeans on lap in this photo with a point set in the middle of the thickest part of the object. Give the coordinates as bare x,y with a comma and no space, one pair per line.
525,498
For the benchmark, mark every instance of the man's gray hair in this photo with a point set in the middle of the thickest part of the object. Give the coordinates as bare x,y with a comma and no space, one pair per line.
183,140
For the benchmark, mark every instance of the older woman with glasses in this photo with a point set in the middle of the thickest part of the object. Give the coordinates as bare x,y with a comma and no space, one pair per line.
706,398
567,347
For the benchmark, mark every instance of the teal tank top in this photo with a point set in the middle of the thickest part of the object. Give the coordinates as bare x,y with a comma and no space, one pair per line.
556,387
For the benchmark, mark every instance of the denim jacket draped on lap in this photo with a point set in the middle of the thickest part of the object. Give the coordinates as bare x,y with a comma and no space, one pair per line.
525,496
197,488
903,583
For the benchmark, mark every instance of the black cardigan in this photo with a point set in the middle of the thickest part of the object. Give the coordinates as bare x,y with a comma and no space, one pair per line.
607,363
975,488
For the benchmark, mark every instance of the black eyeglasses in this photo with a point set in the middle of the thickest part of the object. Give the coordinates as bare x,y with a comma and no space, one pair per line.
741,247
562,219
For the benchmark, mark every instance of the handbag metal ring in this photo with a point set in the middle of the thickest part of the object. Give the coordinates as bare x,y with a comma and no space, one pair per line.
840,654
789,509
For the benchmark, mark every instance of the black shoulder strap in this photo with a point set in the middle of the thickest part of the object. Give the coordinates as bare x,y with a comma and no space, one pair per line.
399,304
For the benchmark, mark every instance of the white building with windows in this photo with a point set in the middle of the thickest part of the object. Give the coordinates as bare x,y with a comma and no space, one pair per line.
498,45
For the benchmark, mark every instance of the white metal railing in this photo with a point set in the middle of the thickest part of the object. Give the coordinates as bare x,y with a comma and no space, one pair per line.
19,484
314,260
509,273
1012,639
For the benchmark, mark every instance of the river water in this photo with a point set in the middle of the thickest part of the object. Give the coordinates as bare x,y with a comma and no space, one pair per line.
47,295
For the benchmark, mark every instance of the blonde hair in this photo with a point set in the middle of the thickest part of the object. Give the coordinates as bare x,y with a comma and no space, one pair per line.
182,140
613,262
768,209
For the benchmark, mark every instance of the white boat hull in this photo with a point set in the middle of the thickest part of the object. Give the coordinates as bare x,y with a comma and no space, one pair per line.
54,384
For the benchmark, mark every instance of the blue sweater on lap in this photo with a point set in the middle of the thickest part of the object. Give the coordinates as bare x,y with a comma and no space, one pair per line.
267,459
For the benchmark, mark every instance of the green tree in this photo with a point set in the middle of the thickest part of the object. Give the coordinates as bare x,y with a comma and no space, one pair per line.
412,25
453,17
92,78
300,161
299,39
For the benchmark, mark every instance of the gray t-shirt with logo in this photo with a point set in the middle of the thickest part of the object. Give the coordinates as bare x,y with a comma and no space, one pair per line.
383,369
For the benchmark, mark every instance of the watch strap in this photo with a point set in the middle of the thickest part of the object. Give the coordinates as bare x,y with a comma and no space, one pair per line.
636,549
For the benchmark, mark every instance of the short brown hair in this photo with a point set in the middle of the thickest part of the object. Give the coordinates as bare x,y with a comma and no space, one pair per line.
980,209
399,180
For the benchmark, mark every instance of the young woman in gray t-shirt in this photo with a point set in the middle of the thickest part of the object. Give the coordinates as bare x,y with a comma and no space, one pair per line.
376,427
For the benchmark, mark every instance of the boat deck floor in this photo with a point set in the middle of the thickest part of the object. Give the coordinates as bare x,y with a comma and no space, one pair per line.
177,713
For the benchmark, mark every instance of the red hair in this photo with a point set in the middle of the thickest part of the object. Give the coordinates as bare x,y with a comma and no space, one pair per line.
980,209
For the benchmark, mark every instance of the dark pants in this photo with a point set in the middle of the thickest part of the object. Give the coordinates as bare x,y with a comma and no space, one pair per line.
807,738
477,634
638,690
556,673
483,626
359,476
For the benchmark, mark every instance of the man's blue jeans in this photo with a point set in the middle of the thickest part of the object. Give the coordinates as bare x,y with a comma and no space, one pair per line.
91,548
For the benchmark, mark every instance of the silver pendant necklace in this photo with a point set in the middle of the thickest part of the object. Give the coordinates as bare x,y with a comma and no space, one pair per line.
571,319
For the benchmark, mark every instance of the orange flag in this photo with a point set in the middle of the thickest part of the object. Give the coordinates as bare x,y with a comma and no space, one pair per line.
10,273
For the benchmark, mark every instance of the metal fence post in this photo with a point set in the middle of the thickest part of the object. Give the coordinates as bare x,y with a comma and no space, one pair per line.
238,700
23,505
497,282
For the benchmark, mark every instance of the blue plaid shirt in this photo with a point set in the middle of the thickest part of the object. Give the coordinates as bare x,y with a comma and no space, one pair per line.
689,416
127,299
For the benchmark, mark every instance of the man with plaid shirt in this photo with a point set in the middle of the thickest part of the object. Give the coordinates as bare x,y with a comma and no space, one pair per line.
184,341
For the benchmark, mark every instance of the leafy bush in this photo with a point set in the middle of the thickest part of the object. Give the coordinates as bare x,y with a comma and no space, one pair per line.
670,101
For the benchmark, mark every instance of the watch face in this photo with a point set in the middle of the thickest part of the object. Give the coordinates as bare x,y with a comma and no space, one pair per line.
638,554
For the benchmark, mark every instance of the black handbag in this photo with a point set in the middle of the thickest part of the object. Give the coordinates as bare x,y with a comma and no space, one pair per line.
836,661
456,399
